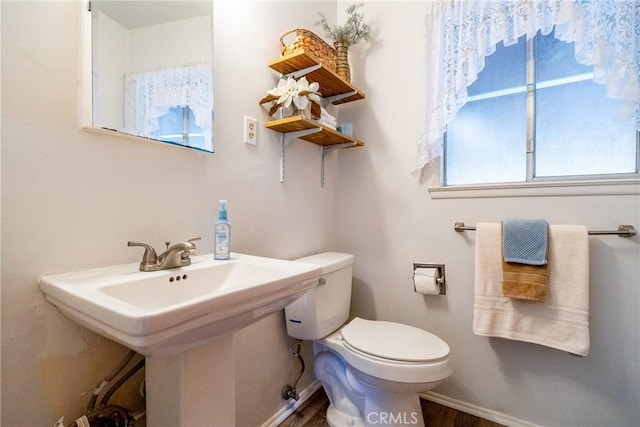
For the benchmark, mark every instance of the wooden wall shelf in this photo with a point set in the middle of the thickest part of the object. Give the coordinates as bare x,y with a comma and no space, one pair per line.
317,134
333,89
331,85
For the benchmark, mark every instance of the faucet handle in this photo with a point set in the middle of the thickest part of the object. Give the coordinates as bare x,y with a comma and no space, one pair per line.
190,251
194,239
149,257
167,243
194,245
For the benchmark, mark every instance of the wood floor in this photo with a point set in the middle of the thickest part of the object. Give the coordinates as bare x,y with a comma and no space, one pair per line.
312,414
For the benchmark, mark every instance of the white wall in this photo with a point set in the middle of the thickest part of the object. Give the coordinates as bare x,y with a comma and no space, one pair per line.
110,63
388,219
72,199
170,44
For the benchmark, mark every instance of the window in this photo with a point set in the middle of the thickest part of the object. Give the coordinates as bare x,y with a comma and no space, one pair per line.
178,125
535,114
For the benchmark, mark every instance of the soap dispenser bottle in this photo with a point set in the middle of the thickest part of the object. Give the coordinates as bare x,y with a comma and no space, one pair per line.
222,232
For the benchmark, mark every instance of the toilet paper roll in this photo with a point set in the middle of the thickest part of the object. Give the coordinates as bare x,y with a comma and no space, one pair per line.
425,281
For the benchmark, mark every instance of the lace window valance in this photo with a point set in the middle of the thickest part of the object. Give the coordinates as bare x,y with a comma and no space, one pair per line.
459,34
148,95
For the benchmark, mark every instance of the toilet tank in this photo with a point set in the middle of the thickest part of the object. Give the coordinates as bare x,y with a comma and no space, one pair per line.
325,307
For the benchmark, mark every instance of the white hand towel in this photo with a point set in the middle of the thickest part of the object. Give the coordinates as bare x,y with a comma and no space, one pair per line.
324,123
562,322
325,114
328,121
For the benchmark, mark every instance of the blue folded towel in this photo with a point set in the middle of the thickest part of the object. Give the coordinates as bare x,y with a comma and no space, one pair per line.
525,241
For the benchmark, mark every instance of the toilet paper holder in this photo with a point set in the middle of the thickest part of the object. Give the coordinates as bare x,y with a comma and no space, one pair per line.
441,276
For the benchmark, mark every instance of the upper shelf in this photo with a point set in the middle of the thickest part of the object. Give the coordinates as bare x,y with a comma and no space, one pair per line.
318,134
331,85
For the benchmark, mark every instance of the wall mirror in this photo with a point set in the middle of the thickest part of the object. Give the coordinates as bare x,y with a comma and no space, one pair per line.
152,70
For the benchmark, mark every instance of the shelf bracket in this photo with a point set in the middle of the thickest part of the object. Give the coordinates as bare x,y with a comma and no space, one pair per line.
300,133
329,148
283,142
304,71
326,149
331,99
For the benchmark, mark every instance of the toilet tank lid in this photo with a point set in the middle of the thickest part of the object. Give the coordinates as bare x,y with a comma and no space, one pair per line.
394,341
329,261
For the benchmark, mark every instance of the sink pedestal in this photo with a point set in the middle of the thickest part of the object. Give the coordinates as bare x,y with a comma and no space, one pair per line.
192,388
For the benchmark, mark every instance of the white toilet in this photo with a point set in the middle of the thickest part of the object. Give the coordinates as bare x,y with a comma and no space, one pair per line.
371,370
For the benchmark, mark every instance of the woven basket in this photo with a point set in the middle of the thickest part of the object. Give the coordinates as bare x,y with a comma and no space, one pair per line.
306,41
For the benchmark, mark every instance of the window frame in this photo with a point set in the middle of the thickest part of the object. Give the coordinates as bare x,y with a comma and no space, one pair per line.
533,181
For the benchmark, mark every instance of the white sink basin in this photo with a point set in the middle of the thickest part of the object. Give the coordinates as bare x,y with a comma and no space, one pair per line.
169,311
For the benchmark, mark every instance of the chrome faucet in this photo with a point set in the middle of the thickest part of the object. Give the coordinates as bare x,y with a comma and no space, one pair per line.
177,255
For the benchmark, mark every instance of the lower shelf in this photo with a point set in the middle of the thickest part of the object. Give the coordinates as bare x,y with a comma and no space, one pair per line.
311,131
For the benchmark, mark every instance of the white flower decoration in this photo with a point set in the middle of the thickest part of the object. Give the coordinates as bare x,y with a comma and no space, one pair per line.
289,90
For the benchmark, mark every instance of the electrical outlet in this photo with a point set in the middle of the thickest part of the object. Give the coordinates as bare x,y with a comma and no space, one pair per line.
250,130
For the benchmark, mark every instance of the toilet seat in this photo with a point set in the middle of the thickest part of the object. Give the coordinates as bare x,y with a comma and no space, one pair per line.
394,341
384,350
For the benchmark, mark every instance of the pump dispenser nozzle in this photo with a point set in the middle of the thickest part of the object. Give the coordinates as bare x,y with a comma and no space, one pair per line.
222,213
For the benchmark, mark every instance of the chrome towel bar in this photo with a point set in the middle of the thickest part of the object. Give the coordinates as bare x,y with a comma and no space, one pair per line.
622,231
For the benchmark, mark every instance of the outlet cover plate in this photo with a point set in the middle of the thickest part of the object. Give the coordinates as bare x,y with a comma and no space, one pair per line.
250,130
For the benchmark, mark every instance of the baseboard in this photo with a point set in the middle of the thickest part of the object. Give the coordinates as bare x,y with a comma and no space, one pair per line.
487,414
292,405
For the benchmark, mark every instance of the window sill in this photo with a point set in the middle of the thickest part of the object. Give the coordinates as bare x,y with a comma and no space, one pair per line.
615,187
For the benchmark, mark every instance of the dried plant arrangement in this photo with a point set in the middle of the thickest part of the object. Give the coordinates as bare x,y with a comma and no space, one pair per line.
352,31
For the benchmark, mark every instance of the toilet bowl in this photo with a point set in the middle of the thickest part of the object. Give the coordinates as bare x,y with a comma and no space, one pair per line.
371,370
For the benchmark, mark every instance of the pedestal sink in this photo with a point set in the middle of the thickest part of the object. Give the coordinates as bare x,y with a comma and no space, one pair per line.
182,320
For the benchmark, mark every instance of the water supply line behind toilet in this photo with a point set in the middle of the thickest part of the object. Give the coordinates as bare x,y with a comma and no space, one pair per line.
289,391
